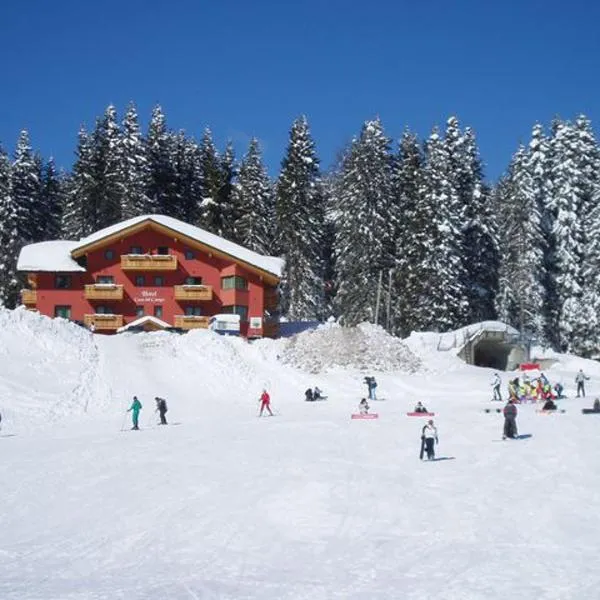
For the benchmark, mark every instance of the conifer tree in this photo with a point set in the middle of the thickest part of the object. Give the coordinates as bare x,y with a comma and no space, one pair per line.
254,201
363,246
226,193
133,163
26,191
9,237
300,216
186,190
446,305
160,149
51,201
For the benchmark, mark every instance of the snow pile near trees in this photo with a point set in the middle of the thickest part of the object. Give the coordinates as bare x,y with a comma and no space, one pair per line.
365,347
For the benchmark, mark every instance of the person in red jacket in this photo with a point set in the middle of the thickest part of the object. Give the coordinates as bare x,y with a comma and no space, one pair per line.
265,402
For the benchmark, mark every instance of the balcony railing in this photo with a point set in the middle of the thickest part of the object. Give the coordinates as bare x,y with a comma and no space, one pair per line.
103,321
191,322
193,293
149,262
103,291
29,297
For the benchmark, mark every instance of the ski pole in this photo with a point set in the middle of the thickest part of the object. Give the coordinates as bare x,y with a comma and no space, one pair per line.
123,421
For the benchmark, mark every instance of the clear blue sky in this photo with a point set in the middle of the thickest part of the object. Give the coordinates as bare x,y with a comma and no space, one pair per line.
249,67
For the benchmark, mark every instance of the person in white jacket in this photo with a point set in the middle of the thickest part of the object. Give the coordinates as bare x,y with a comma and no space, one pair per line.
430,436
496,383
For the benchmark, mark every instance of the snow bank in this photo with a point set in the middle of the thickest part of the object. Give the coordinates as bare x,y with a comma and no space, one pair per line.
366,347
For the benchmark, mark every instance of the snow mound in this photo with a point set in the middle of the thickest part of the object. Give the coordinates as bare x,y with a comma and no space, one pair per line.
365,347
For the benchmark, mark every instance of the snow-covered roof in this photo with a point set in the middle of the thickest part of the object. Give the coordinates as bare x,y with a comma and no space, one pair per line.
271,264
48,256
142,321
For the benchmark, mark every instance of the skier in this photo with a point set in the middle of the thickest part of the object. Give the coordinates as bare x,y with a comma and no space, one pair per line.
579,380
419,408
596,407
135,408
429,437
549,405
309,397
265,402
558,388
363,407
510,420
371,385
496,383
161,408
317,394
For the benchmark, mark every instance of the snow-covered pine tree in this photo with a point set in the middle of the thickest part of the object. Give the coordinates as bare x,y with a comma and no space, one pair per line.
411,235
133,163
226,195
108,191
9,237
446,305
52,199
363,246
521,293
565,208
160,148
300,216
186,191
213,213
26,191
254,202
79,212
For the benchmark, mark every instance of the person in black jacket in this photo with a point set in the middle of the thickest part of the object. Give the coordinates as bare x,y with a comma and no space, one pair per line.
549,405
308,394
510,420
161,409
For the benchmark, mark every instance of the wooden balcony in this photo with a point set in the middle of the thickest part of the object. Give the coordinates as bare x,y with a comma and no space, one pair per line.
103,291
28,297
191,322
193,293
103,322
149,262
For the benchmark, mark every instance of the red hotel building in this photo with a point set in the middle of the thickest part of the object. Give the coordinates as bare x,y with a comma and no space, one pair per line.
153,271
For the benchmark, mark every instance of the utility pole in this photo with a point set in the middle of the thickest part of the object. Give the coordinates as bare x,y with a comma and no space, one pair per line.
378,297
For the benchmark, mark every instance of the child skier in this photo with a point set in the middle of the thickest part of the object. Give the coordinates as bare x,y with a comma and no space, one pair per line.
363,407
419,408
265,402
135,408
429,437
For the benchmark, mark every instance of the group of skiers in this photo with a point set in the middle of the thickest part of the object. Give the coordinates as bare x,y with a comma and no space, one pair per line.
527,390
313,395
136,407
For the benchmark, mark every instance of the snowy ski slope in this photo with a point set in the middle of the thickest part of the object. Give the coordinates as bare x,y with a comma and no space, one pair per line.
305,505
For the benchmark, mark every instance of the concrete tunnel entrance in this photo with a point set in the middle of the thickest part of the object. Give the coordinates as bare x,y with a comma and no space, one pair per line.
499,355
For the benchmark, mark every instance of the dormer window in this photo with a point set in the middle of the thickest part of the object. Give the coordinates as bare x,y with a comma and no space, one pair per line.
193,281
105,279
136,250
162,250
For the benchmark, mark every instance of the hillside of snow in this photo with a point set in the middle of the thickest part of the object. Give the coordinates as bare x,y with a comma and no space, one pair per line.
308,504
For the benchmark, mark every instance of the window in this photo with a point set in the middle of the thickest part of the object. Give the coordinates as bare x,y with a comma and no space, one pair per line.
140,280
163,250
136,250
62,282
139,311
193,281
237,310
158,311
62,311
189,254
159,281
102,310
105,279
192,311
109,254
234,282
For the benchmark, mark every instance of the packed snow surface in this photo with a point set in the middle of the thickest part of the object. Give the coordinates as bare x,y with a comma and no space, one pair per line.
308,504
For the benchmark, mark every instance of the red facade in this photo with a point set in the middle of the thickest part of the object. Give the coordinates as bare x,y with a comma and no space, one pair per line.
144,273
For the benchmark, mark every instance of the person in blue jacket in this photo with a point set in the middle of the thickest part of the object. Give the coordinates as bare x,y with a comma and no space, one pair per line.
135,408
